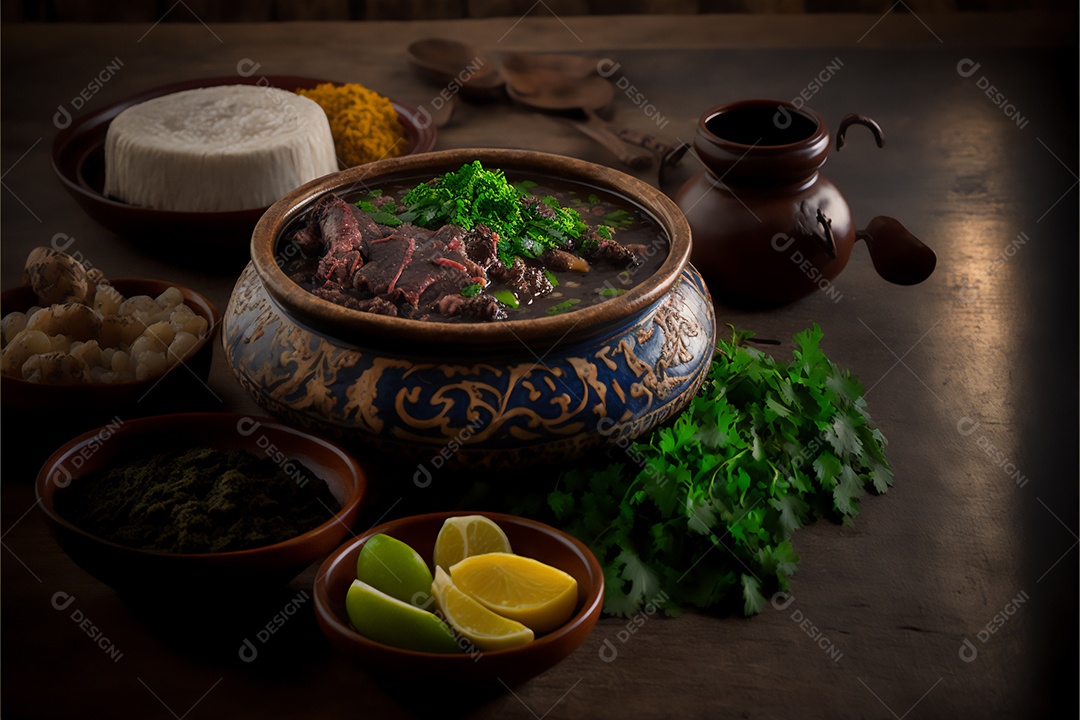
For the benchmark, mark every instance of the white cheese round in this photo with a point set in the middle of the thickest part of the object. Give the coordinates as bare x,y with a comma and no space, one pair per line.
233,147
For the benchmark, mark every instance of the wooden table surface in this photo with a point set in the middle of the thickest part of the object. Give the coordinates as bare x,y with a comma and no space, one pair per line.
953,596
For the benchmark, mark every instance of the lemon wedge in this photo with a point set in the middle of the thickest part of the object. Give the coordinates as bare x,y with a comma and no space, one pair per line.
474,622
467,535
534,594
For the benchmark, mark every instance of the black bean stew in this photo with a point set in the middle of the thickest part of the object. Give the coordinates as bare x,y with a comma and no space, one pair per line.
340,253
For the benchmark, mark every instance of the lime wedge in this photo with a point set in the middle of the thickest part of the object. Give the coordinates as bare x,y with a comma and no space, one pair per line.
392,567
390,621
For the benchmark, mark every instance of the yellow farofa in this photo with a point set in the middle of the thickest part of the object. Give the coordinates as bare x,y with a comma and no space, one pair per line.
364,124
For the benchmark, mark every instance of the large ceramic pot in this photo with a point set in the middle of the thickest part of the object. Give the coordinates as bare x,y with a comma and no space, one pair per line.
494,394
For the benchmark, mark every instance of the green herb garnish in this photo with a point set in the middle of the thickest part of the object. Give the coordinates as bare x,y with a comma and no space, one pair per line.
611,291
702,511
507,298
618,218
471,290
472,196
551,278
564,306
379,215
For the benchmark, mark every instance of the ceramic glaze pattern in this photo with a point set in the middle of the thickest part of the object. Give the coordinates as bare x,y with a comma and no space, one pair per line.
497,410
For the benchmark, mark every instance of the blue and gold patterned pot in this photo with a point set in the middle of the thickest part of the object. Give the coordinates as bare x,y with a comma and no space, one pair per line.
459,395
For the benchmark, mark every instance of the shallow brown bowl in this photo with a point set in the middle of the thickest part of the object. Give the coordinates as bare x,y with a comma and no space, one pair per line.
78,157
77,407
482,669
137,572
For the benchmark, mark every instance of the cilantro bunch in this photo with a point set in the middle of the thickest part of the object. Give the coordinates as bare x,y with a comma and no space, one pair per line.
703,510
473,195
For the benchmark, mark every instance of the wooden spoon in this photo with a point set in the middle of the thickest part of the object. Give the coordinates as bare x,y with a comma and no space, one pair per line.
457,67
575,66
552,91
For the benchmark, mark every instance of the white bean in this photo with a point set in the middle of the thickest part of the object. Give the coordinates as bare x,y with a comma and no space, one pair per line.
55,368
60,343
162,332
181,314
149,364
121,362
196,326
181,345
121,330
139,303
89,352
24,345
144,343
107,300
12,324
170,298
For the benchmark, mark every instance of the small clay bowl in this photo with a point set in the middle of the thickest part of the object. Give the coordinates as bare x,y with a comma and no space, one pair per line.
478,669
138,573
73,408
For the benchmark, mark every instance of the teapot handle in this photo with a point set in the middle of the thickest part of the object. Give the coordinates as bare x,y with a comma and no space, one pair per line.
856,119
898,256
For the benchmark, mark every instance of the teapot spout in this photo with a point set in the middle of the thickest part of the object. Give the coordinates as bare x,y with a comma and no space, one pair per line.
898,256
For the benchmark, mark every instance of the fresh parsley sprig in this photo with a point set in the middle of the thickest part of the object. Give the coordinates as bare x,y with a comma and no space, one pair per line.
702,512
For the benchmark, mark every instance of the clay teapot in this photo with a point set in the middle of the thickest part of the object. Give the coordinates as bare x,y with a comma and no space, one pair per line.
768,227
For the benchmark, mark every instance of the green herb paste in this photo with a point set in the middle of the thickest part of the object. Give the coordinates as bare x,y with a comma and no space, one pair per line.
198,501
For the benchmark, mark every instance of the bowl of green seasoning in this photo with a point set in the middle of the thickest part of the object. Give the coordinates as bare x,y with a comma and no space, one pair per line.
196,500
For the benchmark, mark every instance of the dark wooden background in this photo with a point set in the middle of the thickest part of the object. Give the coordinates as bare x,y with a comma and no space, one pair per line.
285,10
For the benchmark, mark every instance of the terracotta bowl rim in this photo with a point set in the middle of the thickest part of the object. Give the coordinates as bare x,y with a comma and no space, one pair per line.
590,609
348,323
356,492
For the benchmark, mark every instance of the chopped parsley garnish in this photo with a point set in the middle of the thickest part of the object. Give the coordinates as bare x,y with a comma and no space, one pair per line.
473,195
506,297
701,511
564,306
